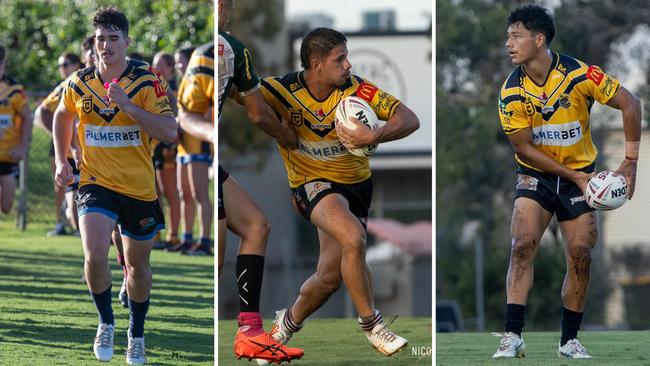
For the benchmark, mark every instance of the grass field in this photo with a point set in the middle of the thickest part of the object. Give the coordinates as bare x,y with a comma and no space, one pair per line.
339,342
606,348
47,316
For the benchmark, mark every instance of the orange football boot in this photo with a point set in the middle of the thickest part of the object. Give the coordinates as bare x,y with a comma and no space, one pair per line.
263,347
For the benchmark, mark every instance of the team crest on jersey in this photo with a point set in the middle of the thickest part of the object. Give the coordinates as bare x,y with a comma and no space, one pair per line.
87,104
294,87
530,109
296,116
561,69
565,101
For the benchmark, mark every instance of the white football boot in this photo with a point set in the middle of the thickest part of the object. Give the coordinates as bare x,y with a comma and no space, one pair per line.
511,346
280,332
384,340
572,349
103,345
124,297
135,354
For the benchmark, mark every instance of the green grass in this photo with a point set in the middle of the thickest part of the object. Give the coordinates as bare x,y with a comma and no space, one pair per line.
606,348
48,318
338,342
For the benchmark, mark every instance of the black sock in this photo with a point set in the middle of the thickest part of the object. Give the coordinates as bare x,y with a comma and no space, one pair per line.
137,315
515,318
249,271
103,304
570,324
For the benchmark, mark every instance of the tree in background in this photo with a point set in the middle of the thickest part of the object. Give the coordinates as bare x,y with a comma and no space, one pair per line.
37,32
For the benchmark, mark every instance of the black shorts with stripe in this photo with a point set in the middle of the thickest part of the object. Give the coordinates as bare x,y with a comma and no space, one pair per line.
555,194
139,220
359,195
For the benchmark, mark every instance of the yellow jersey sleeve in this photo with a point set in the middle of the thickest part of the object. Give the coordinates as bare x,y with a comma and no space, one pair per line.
512,109
52,100
18,100
154,100
380,101
599,85
196,92
69,96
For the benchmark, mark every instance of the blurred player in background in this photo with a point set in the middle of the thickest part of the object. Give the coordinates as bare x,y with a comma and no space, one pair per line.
117,182
15,133
236,208
332,188
68,63
181,58
544,108
164,159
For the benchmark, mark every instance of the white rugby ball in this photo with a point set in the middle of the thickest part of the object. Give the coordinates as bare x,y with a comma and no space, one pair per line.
606,191
358,108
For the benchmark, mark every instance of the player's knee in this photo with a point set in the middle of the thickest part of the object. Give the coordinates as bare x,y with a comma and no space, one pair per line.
354,243
259,227
523,248
580,257
138,269
96,261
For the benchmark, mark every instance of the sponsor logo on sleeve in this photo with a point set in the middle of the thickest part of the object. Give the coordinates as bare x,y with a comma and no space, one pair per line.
158,89
366,91
608,87
595,74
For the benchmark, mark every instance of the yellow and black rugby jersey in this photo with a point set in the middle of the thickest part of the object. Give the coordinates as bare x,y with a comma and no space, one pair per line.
116,151
558,111
196,94
52,100
321,154
235,67
12,101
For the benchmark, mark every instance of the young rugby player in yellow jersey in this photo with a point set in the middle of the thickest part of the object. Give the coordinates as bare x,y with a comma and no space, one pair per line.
544,108
15,133
68,63
332,188
117,185
237,211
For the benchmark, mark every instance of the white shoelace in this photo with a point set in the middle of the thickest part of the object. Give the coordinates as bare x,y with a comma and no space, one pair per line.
385,334
104,338
576,348
506,340
136,350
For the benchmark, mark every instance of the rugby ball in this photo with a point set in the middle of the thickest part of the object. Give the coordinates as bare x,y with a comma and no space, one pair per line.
605,191
358,108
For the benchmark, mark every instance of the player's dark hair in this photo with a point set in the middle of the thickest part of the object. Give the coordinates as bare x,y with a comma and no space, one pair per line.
88,44
166,58
3,53
110,18
71,57
186,52
319,43
534,18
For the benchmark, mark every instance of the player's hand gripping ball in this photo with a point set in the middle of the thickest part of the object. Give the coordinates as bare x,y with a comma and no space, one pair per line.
605,191
358,108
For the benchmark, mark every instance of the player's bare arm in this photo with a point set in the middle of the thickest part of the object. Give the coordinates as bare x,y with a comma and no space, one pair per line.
522,143
62,129
630,107
20,151
196,125
403,123
162,128
43,117
263,116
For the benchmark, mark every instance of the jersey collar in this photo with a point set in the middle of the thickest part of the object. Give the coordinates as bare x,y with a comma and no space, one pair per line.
301,80
129,68
554,62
